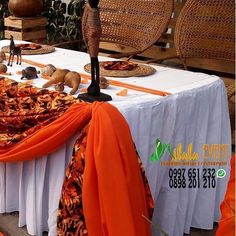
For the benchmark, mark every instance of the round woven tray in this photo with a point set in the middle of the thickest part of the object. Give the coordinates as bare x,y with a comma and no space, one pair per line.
43,50
140,70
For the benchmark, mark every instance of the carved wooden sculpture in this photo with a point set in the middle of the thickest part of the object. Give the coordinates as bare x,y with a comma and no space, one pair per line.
92,31
64,76
93,36
14,51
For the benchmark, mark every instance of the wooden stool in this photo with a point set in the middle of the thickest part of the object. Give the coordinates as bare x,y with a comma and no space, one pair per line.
29,29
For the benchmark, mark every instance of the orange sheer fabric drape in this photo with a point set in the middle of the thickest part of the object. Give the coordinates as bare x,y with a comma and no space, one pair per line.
115,203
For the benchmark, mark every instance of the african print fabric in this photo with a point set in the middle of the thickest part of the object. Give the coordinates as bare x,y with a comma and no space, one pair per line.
24,109
70,216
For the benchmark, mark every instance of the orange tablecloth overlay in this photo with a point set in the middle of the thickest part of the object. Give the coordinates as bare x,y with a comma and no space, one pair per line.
227,222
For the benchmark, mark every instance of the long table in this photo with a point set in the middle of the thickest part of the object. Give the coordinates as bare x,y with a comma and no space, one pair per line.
196,114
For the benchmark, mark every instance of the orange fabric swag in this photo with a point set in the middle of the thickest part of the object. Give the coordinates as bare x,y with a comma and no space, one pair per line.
50,137
113,191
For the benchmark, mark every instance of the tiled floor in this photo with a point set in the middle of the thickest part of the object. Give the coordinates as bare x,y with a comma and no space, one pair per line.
201,232
9,226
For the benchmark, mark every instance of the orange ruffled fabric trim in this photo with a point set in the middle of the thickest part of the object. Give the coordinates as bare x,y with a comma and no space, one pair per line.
227,223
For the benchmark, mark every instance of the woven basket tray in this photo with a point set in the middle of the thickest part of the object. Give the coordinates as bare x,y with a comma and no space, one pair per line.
43,50
140,70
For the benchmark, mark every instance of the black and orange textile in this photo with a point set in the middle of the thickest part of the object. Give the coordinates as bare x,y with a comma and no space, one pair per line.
25,109
35,122
70,217
227,223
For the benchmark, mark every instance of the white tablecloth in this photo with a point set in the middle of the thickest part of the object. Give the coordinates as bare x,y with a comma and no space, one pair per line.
196,113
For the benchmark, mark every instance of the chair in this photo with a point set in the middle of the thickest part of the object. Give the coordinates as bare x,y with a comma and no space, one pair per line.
136,24
205,29
231,103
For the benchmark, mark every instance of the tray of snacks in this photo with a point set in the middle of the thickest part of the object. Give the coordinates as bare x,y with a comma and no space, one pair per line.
31,48
122,69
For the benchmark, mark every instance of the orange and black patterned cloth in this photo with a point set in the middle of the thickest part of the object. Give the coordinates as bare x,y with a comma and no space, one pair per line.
70,216
24,109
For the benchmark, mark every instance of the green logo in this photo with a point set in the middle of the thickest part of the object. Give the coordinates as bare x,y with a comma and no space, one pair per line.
160,149
221,173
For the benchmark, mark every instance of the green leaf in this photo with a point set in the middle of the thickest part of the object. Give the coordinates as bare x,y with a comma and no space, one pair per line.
160,148
159,151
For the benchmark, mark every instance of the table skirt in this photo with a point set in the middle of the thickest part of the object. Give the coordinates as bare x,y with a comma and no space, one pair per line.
198,116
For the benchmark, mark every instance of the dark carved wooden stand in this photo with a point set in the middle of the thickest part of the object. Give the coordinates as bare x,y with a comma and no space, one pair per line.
92,33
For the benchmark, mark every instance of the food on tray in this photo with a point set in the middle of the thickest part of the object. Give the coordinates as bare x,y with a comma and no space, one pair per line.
118,65
29,46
